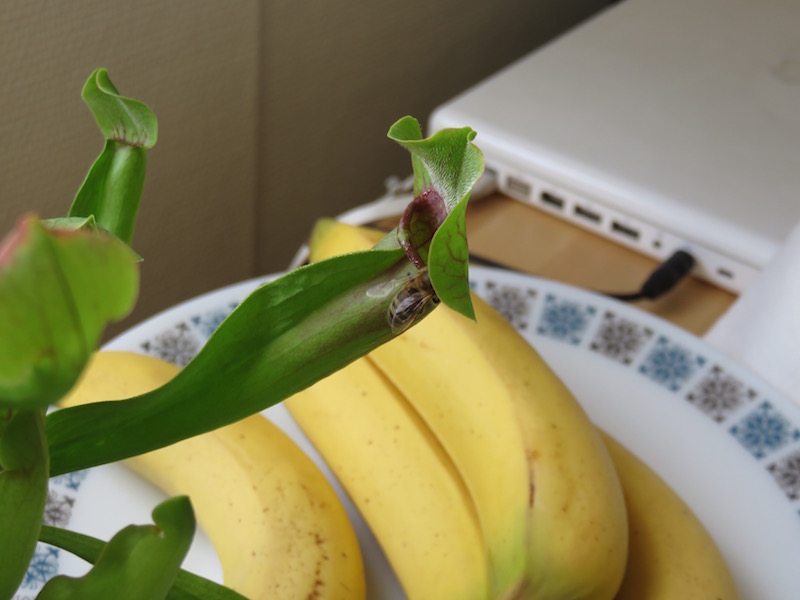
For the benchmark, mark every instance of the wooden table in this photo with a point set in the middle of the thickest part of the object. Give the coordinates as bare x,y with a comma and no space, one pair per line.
529,240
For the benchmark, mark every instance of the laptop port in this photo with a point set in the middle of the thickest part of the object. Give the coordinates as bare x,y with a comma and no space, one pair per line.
585,213
518,187
552,200
625,230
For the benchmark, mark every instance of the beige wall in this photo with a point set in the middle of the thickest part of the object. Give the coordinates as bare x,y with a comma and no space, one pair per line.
271,113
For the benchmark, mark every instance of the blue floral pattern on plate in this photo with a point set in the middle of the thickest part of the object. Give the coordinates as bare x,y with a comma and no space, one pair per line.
670,364
765,430
565,319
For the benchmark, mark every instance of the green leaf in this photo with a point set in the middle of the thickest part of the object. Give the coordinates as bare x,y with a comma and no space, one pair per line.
58,290
187,585
23,493
447,161
113,187
432,231
141,562
284,337
119,118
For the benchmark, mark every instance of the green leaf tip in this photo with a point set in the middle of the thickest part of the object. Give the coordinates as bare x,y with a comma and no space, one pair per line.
141,560
187,585
432,230
120,119
447,161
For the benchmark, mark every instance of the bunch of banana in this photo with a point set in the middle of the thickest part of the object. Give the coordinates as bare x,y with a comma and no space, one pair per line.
482,477
477,470
275,522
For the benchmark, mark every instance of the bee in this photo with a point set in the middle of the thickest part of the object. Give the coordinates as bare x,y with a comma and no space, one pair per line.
414,299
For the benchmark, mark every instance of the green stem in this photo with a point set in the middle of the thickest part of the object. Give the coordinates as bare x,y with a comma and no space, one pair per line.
113,189
23,493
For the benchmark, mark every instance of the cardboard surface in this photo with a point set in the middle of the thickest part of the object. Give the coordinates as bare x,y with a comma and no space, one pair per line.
532,241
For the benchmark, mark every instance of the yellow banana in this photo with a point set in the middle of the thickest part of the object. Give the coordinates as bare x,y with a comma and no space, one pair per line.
671,554
578,531
400,479
468,408
544,487
275,522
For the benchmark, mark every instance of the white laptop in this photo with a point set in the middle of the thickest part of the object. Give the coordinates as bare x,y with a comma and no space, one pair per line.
662,124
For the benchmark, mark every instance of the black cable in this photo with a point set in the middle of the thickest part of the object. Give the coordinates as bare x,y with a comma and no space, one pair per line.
663,279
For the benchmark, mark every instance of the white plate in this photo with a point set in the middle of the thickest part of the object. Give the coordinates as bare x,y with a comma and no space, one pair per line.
725,440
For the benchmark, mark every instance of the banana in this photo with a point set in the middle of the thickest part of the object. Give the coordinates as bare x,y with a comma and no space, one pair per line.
400,479
468,408
671,555
544,487
275,522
